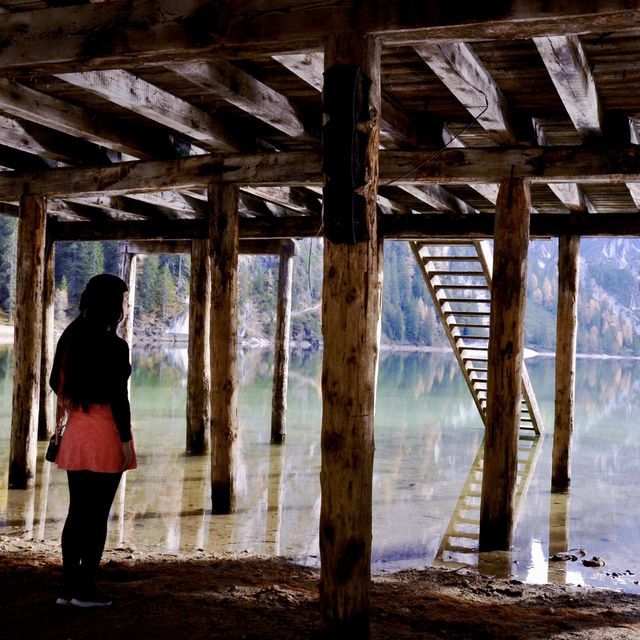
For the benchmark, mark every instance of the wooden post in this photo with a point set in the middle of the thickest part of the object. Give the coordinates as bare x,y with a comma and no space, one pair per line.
506,346
199,373
129,272
223,237
281,355
27,341
566,336
46,417
351,301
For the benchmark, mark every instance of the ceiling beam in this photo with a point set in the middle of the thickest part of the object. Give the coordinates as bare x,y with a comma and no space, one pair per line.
240,89
397,126
122,33
135,94
567,64
450,166
434,226
19,101
462,72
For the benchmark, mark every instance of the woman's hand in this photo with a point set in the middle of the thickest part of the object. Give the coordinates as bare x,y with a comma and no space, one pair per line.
127,452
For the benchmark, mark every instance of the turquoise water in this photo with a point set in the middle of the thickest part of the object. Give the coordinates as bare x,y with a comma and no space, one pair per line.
428,434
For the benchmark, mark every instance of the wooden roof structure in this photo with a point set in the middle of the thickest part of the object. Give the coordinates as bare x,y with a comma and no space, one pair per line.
352,120
232,91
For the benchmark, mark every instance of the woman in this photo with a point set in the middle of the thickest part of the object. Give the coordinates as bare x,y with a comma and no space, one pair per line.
90,373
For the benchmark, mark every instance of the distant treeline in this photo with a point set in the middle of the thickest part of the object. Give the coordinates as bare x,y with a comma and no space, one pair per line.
609,302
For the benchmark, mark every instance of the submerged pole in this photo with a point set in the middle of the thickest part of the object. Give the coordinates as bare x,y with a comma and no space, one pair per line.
281,352
566,339
351,303
199,371
504,367
223,238
27,341
46,417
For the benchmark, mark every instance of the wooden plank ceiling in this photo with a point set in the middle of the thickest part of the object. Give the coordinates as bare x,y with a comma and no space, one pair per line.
519,79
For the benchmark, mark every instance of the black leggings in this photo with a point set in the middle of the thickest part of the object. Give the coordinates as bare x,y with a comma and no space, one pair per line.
91,495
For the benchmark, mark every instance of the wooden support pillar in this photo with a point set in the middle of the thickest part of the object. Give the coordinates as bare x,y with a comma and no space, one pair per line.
129,271
351,301
46,418
27,341
566,337
223,237
506,346
281,355
199,373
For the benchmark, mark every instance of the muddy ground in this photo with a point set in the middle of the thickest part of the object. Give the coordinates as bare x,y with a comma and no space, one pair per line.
162,597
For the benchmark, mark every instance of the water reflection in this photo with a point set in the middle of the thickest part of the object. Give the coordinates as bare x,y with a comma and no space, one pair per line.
428,452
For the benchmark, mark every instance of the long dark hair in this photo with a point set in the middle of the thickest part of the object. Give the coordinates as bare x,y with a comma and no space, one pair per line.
92,340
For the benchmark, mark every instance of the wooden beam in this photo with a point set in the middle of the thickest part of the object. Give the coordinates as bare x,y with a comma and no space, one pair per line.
27,341
131,92
223,238
128,272
392,227
462,72
199,356
450,166
505,356
281,349
122,34
27,104
245,92
351,305
567,64
566,339
396,124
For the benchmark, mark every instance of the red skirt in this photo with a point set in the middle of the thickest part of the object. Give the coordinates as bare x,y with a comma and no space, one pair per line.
91,442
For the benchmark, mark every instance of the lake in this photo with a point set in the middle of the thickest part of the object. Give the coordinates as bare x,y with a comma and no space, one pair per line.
428,435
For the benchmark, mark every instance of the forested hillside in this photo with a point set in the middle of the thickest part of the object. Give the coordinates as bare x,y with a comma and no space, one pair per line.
609,299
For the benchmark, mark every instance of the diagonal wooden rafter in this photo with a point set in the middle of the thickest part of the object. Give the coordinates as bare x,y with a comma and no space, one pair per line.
569,69
462,72
397,126
131,92
19,101
245,92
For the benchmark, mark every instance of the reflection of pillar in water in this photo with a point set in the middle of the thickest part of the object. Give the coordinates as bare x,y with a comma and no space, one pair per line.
45,479
274,499
118,508
194,477
558,535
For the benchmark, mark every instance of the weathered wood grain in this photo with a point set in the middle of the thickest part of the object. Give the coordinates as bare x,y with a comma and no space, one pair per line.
505,355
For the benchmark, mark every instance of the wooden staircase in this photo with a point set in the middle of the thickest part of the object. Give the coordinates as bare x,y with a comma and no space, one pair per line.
458,276
459,545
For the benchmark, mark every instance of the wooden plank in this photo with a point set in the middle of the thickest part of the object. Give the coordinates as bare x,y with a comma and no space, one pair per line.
281,349
131,92
450,166
199,368
392,227
462,72
505,356
223,238
351,305
27,104
245,92
27,341
121,34
566,339
567,64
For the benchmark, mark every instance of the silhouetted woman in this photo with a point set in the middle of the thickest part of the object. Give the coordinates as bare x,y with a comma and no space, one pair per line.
90,373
